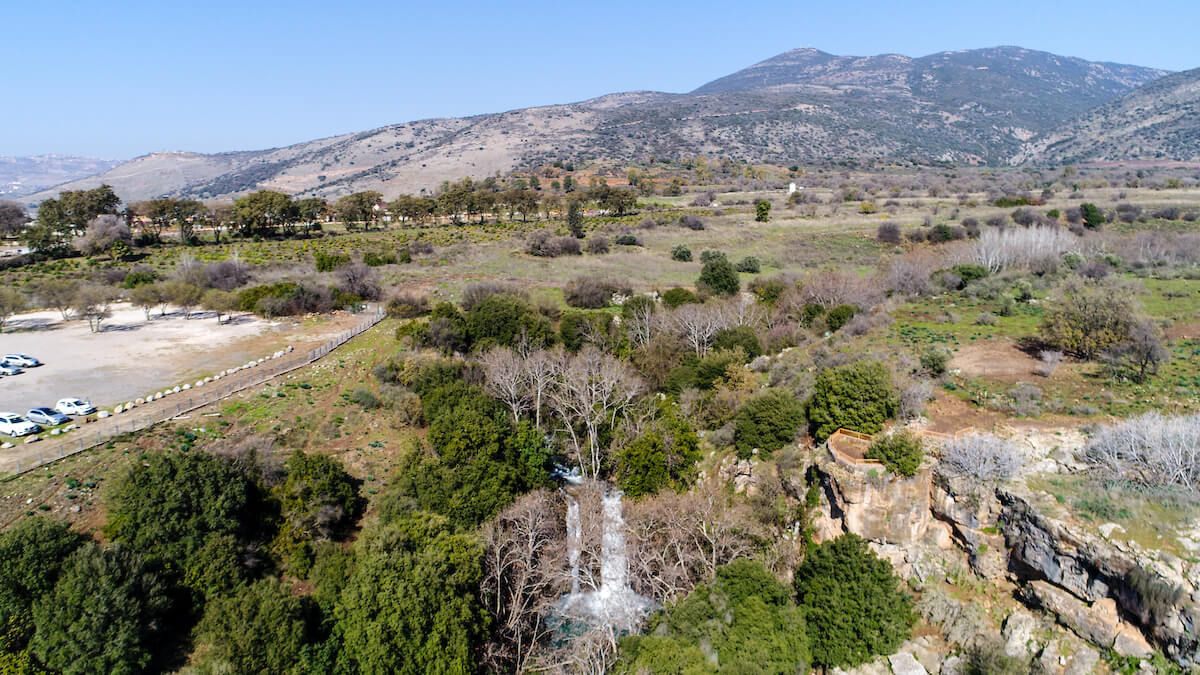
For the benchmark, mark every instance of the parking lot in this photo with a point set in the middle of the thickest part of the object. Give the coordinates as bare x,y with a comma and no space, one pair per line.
132,357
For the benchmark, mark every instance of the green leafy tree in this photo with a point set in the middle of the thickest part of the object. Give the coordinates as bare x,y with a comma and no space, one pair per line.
742,622
762,210
104,615
412,606
33,552
1093,217
502,319
263,212
260,628
859,396
901,453
1089,318
575,219
853,606
838,316
738,337
11,302
358,208
168,504
662,456
768,422
317,501
719,277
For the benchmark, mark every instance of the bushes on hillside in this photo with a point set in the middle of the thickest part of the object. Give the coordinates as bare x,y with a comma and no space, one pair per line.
1088,319
719,277
593,292
767,422
982,457
744,620
681,253
838,316
854,608
678,296
859,396
738,337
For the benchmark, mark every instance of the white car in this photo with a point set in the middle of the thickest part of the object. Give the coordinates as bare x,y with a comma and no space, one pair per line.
9,370
15,425
74,406
21,360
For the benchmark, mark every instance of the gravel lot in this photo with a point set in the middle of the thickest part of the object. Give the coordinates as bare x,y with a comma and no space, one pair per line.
131,357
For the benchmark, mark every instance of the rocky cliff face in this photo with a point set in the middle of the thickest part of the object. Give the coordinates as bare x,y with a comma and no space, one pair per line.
1109,594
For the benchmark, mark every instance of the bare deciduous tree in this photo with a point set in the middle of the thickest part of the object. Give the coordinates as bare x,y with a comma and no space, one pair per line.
1151,450
92,303
591,393
523,578
506,380
697,324
59,294
102,233
984,457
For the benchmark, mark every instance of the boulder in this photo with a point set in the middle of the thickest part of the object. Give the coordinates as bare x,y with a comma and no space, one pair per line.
904,663
102,414
140,401
6,445
32,439
1018,634
186,387
1096,623
1130,642
1082,662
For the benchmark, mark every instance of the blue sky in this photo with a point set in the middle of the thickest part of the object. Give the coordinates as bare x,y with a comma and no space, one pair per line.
118,78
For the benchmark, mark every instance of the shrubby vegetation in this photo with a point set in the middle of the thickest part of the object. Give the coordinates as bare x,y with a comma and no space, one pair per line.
859,397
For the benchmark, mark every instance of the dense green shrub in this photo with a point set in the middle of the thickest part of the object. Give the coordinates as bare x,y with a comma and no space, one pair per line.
742,337
168,504
854,608
33,551
1093,217
743,621
858,396
678,296
414,599
709,255
838,316
106,614
328,262
900,452
573,327
260,628
681,253
767,422
365,397
768,290
500,319
627,240
969,272
663,456
935,359
749,265
719,278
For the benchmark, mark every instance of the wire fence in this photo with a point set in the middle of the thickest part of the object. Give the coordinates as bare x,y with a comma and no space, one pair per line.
25,458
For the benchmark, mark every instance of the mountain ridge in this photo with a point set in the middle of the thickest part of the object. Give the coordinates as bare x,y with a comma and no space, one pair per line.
803,107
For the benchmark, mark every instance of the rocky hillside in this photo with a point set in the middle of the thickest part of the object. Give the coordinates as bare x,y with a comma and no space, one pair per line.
802,107
25,175
1159,121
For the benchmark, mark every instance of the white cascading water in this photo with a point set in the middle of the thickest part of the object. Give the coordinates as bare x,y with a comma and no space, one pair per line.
574,541
613,603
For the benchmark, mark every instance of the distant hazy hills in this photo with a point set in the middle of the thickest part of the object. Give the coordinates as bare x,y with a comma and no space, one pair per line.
986,106
1160,121
25,175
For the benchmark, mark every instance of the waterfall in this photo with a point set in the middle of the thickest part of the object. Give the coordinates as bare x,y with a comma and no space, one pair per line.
614,563
613,603
574,540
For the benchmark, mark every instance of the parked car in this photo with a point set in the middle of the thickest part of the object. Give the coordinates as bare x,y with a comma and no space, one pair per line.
47,416
10,370
15,425
74,406
21,360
